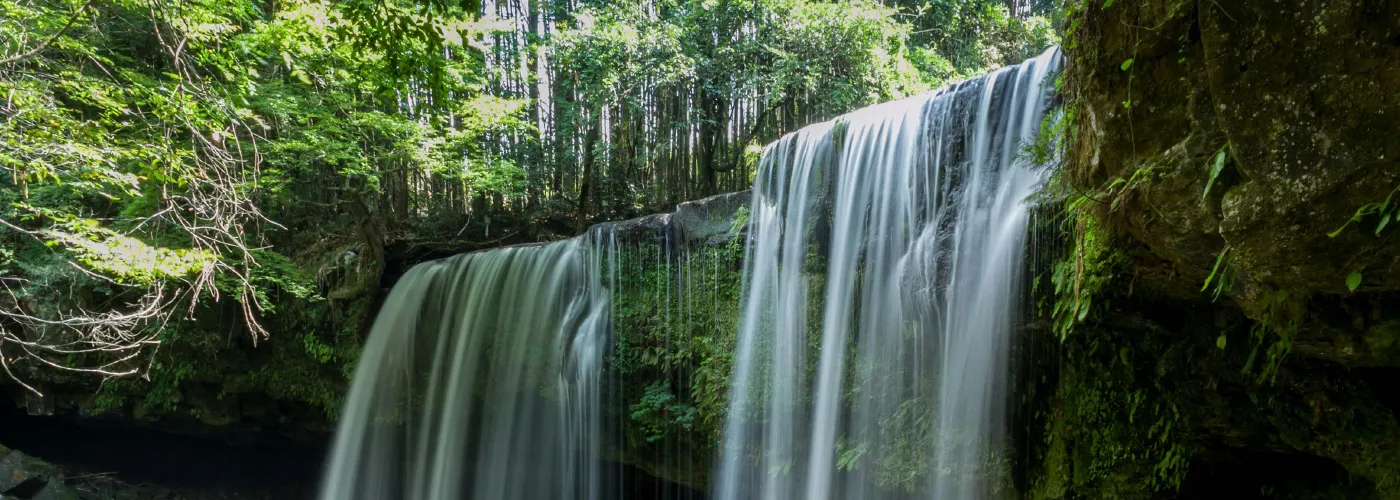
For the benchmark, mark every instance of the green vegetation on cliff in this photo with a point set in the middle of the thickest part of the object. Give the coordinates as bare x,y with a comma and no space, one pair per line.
1215,339
204,200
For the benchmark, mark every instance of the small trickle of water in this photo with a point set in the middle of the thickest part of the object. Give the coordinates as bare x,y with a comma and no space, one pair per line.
479,379
888,246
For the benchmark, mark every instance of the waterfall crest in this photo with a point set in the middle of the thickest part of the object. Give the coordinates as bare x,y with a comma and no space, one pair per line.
888,247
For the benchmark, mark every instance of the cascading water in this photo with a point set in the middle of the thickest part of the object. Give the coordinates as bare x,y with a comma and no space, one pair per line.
495,375
880,289
480,379
915,210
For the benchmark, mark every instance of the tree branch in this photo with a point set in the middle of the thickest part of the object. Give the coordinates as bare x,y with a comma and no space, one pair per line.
42,46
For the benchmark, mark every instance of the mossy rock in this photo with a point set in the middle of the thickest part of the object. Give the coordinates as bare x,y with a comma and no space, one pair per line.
1298,100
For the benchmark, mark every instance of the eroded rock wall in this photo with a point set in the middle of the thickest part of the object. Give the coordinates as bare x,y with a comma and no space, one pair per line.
1209,342
1304,99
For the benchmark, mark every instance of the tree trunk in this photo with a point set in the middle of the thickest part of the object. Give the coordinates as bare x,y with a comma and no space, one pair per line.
711,117
590,141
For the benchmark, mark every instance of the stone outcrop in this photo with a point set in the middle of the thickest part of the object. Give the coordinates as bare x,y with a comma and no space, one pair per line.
1301,98
1215,148
26,478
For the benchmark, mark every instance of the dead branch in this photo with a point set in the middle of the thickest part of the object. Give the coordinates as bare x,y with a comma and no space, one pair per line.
213,208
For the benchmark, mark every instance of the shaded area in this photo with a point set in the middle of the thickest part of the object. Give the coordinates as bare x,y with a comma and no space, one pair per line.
182,466
107,459
1252,473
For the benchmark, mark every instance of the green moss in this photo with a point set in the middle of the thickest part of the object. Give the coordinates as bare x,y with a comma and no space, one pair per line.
1082,276
1134,406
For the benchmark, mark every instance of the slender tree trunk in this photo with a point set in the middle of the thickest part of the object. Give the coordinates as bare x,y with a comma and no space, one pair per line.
590,141
711,122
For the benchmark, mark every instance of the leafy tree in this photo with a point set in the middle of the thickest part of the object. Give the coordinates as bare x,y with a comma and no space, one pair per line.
167,158
161,153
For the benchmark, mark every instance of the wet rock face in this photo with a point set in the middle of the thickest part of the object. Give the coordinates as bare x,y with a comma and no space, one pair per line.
1303,96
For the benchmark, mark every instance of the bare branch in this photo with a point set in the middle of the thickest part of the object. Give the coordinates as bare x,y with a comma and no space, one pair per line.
45,44
214,208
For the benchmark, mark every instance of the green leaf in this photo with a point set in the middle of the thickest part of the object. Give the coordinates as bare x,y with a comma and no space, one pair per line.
1219,259
1126,64
1215,168
1220,341
1107,3
1354,281
1384,221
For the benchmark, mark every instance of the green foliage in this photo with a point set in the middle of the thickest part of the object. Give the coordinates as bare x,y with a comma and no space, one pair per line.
1114,427
848,456
164,393
1221,274
909,434
1081,278
676,317
658,410
1217,165
741,221
1273,333
1117,425
164,158
956,39
1383,212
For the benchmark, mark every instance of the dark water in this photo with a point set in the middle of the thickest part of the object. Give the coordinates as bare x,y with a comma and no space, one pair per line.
186,466
149,463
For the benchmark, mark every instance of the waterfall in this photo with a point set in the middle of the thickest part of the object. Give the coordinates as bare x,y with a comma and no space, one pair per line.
881,282
496,374
480,379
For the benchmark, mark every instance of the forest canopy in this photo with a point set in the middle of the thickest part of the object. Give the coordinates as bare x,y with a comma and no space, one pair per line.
163,155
